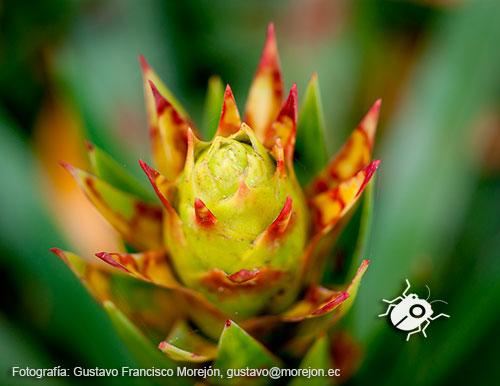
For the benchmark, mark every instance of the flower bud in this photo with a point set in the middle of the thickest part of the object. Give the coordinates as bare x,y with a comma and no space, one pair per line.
244,224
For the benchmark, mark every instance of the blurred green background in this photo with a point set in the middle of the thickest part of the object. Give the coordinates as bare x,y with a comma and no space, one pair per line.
435,64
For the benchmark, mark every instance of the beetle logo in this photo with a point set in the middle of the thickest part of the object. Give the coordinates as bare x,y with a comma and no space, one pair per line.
411,313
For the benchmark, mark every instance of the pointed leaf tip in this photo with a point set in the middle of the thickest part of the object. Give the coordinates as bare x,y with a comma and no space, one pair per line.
353,286
242,187
289,108
106,257
66,166
311,151
266,91
354,154
285,125
368,171
281,223
89,146
333,304
230,120
169,135
238,349
203,215
368,124
160,101
213,105
59,253
242,276
270,53
154,178
162,345
144,64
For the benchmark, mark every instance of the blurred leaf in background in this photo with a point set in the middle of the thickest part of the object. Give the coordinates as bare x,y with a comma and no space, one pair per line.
428,201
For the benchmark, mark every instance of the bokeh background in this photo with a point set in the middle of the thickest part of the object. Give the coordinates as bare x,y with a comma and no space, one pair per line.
69,71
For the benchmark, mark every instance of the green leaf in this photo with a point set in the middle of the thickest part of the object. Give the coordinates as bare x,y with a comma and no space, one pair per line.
138,221
105,167
318,357
213,106
238,350
145,352
311,153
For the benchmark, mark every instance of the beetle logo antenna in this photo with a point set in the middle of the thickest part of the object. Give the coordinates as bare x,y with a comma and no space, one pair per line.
428,289
438,301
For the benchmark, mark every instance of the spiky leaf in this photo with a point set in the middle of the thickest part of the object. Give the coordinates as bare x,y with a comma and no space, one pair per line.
311,153
213,105
238,350
353,287
139,222
266,91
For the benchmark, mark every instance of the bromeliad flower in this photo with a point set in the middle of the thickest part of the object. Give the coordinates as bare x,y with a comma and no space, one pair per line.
233,236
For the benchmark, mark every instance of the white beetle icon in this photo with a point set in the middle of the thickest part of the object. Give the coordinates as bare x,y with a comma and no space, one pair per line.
411,313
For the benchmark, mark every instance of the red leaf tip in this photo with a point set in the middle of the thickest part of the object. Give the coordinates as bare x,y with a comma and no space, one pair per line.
162,346
89,146
203,215
242,276
106,257
160,101
375,109
242,187
66,166
269,56
228,323
281,223
369,170
150,172
290,107
341,297
270,30
144,64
